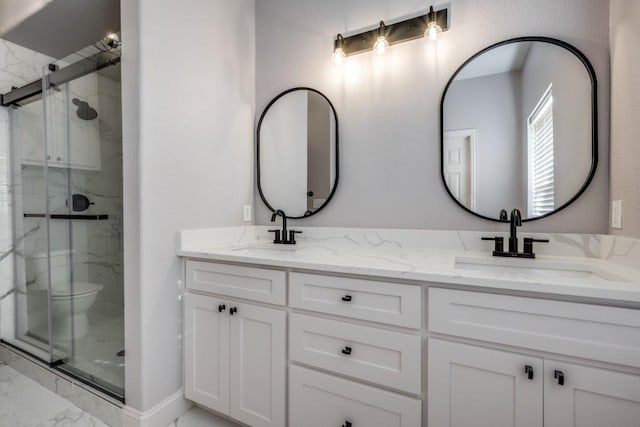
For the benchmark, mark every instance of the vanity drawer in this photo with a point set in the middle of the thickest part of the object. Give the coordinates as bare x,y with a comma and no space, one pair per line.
588,331
389,358
382,302
321,400
236,281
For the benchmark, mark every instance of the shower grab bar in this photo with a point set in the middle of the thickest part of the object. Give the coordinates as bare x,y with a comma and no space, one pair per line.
63,216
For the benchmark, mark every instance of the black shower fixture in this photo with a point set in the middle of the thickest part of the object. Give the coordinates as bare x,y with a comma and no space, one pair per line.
85,111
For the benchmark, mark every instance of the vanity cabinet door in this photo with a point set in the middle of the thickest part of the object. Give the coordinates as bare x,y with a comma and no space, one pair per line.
206,341
582,396
480,387
257,365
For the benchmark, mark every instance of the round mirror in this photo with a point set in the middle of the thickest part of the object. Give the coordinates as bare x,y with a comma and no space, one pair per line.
297,146
518,129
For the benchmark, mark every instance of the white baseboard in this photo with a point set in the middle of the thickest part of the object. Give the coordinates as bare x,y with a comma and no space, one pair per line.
161,415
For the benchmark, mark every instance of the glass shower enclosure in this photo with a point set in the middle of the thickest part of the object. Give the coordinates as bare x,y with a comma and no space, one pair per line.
67,180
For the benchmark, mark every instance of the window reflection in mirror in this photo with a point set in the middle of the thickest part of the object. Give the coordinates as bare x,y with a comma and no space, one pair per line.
518,128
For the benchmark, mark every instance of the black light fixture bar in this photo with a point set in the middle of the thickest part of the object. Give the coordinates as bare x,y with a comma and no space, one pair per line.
398,32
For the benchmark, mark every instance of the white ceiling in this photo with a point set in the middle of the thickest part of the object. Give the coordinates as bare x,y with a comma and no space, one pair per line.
66,26
509,57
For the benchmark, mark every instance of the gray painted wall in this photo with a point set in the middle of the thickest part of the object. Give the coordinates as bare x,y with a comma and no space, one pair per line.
388,106
625,111
491,105
188,103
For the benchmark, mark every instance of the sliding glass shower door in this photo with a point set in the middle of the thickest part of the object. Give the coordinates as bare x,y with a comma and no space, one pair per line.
67,169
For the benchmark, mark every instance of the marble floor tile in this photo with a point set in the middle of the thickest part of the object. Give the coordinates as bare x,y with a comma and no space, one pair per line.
197,417
14,415
72,417
25,403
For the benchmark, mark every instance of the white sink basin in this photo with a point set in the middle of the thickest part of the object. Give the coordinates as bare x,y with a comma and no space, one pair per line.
535,268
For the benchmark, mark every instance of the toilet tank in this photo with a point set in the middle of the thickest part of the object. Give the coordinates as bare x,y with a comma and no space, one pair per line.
37,267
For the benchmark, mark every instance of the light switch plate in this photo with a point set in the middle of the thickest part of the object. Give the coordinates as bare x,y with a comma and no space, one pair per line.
247,213
616,214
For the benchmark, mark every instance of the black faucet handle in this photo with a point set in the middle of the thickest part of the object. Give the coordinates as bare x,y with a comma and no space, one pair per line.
528,244
292,236
499,245
277,238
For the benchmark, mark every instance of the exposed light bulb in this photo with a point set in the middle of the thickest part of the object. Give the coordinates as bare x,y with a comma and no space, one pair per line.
114,40
381,45
339,56
338,51
433,31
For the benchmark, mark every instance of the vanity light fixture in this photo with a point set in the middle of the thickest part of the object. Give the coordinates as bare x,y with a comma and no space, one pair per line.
381,44
428,25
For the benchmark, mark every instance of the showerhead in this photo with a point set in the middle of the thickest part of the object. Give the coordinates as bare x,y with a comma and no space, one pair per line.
85,112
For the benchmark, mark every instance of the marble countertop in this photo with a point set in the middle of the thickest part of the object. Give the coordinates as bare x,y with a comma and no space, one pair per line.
586,266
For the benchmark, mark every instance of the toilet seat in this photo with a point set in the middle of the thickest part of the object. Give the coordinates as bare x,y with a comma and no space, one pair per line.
80,289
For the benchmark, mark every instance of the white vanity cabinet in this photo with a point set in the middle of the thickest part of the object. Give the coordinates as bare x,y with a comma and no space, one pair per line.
479,386
235,352
371,352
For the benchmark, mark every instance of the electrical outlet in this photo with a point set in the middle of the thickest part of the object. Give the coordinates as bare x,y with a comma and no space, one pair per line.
616,214
247,212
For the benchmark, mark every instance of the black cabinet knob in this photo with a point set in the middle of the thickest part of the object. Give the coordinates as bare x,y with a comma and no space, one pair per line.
347,424
233,310
310,193
528,369
346,350
221,308
346,298
559,375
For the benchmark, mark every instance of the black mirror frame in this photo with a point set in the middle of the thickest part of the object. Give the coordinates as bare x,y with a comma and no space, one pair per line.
262,116
594,120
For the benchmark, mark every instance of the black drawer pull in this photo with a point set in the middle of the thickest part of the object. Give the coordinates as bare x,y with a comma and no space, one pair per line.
559,375
347,424
528,369
233,310
346,350
346,298
221,308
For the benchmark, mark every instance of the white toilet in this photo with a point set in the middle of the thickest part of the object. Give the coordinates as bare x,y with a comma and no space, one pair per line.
70,302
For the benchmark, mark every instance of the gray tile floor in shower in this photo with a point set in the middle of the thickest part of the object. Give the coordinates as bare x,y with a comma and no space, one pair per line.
25,403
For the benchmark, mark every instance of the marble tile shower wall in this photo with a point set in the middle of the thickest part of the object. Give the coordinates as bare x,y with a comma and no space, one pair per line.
19,66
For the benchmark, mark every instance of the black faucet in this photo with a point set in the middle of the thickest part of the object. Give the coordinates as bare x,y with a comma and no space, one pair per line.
514,223
281,236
